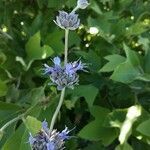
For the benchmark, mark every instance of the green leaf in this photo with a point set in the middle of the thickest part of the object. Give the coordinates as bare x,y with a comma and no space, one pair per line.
9,106
55,40
132,56
95,7
1,134
114,61
34,49
94,131
92,59
23,144
144,42
8,111
144,77
147,62
144,128
89,92
13,143
3,88
32,124
115,118
125,73
125,146
95,146
2,58
137,29
55,3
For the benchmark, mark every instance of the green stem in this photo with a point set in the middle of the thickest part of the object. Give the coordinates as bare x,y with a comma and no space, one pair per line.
66,46
75,9
16,119
11,121
63,90
57,109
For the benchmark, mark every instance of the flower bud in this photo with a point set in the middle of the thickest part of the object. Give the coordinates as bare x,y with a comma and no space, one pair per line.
68,21
82,4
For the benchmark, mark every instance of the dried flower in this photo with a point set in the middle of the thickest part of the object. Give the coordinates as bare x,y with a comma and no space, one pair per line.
82,4
45,140
64,76
68,21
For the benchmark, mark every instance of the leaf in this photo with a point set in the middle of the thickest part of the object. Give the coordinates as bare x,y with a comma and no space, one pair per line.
3,88
3,58
33,96
125,73
35,51
55,40
91,58
144,128
8,111
137,29
95,131
32,124
1,134
132,56
95,7
23,144
125,146
55,3
89,92
95,146
114,61
36,24
147,62
14,141
144,77
144,42
115,118
9,106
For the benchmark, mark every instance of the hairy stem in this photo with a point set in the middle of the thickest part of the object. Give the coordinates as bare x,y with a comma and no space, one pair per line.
66,46
75,9
10,122
16,119
63,90
57,109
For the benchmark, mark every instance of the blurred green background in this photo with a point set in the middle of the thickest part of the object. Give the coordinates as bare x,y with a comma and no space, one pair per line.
112,103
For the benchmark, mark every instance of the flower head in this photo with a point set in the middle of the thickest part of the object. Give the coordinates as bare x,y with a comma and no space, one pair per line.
64,76
46,140
82,4
68,21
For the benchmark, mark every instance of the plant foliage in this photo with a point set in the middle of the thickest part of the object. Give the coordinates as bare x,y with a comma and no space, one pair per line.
114,41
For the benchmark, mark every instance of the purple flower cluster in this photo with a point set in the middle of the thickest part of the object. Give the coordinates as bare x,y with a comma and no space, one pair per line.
45,140
67,20
64,76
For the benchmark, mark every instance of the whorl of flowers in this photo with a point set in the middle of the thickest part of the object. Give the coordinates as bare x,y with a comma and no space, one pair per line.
64,76
45,140
68,21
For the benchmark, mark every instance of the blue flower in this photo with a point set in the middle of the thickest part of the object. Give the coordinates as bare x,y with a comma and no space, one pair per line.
72,68
45,126
31,139
50,146
64,134
57,61
64,76
46,140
